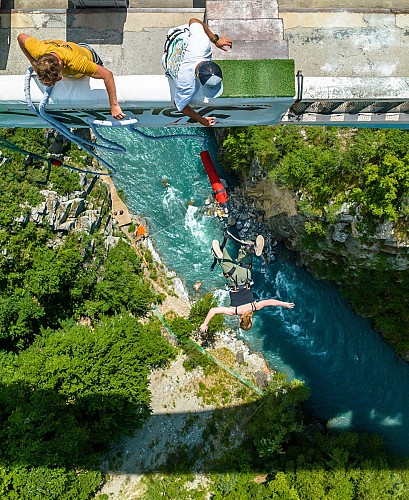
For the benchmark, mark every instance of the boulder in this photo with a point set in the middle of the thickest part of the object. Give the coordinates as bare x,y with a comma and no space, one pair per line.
90,220
111,242
240,357
23,219
338,234
78,207
83,180
272,200
261,379
384,231
66,226
63,212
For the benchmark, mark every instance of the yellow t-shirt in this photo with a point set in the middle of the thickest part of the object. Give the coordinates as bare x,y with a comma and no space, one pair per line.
76,60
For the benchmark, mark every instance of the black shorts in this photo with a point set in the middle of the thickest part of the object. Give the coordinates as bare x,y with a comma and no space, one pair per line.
241,297
95,57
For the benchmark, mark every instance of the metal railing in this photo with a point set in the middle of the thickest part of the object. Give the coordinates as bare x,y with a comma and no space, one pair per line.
349,107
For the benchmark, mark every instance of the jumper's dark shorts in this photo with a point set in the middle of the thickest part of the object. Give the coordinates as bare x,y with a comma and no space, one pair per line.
241,297
95,57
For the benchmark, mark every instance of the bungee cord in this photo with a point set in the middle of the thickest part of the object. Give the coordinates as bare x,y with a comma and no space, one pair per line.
86,145
83,143
167,227
63,129
198,137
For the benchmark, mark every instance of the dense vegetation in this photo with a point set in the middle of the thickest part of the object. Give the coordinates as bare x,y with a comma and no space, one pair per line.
364,169
330,166
74,360
74,357
347,466
270,449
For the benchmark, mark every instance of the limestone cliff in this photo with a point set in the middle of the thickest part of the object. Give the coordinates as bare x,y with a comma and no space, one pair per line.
86,210
348,238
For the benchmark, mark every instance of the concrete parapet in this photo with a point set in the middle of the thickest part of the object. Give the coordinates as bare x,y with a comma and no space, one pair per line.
352,38
365,38
357,5
65,4
345,88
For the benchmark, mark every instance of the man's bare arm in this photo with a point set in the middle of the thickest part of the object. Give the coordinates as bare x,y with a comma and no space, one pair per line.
221,42
207,121
22,38
106,75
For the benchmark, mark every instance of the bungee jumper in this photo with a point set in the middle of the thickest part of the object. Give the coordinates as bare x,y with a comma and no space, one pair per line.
239,281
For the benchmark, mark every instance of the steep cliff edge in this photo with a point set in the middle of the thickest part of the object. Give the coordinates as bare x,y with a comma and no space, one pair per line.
347,240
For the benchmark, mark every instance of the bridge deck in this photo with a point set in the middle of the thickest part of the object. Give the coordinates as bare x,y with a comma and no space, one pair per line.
129,42
345,38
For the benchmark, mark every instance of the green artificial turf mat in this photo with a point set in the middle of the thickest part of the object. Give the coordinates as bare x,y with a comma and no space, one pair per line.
258,78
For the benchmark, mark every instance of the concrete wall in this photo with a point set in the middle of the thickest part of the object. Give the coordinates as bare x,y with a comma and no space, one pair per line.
129,42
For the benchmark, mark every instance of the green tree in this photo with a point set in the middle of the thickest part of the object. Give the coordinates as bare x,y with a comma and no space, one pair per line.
73,391
121,285
278,416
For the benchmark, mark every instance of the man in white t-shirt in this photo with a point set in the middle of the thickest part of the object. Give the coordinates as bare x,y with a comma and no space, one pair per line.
188,61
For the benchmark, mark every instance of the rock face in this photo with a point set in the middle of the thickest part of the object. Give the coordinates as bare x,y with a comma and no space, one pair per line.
78,211
272,200
347,239
248,218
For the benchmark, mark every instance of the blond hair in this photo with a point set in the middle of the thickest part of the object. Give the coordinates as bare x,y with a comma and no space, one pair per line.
48,70
246,321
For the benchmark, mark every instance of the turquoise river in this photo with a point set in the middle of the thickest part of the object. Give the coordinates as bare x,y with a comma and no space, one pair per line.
356,380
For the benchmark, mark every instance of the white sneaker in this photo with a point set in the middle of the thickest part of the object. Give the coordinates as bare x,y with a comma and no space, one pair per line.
217,251
259,245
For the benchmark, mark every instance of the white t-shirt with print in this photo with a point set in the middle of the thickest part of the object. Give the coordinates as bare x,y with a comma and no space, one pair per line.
185,53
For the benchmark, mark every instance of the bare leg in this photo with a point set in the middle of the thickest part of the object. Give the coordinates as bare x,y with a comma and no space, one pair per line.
251,246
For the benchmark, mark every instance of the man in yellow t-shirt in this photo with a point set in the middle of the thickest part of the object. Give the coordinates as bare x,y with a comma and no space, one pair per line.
55,59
